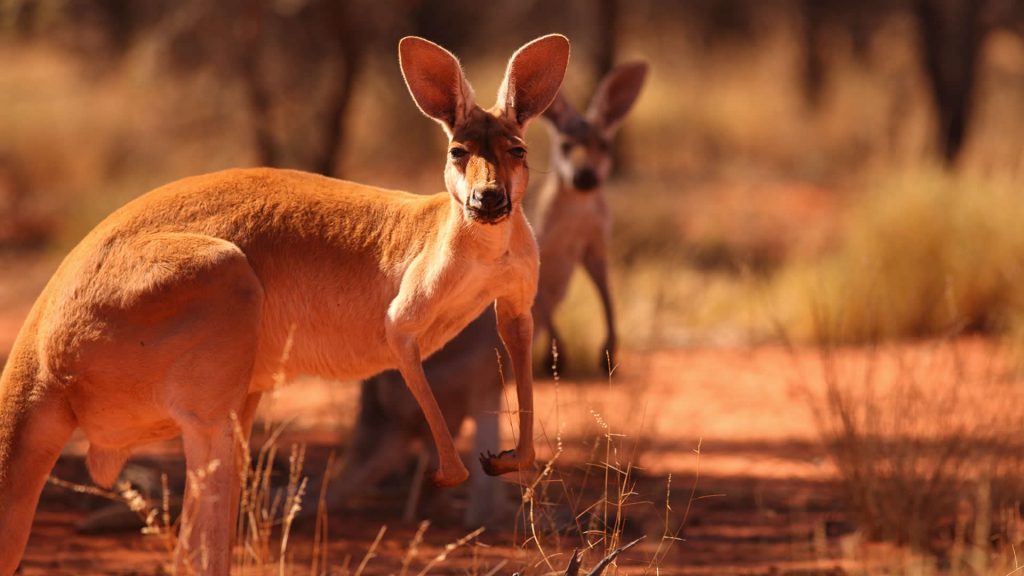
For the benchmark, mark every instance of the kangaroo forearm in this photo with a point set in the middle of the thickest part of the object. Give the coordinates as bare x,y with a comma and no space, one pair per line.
515,325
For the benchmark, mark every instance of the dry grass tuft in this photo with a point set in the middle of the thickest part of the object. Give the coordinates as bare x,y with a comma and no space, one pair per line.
927,453
924,253
584,504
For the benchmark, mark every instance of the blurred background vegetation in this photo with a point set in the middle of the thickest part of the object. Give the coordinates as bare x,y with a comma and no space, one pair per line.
804,169
819,171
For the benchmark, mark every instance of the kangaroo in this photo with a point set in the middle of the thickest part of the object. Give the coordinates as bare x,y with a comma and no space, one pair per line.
571,217
170,316
573,224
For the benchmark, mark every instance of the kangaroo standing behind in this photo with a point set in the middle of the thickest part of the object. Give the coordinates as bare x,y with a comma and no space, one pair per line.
572,219
171,315
573,224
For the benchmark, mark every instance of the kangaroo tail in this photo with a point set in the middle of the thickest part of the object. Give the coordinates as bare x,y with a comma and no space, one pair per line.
35,423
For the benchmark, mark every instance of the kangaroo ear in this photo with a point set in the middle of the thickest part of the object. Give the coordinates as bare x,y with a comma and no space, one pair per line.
561,113
533,77
435,80
616,95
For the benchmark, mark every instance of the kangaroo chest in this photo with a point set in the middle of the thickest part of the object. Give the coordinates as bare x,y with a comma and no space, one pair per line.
469,293
573,223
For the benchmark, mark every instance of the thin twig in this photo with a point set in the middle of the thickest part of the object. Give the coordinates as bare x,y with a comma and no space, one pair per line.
448,549
371,553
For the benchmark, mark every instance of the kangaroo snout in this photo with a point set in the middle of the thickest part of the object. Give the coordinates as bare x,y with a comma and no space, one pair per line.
585,179
489,204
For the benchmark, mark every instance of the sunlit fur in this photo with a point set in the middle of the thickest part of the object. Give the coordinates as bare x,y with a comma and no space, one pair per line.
175,311
573,225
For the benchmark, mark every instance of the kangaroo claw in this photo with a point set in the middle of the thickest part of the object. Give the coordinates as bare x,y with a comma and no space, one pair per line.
500,463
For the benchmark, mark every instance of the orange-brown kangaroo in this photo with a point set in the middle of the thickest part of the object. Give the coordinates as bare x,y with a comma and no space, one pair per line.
573,224
572,219
173,312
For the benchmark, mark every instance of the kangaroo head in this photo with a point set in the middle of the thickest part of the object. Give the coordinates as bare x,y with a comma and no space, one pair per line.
486,171
582,142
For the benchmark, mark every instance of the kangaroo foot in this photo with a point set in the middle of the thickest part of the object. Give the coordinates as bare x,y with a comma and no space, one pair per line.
503,462
451,475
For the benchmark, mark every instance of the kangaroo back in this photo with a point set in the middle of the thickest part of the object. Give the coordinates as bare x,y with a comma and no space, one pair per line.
169,317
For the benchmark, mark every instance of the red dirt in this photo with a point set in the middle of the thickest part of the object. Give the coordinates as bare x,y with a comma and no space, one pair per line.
768,501
767,498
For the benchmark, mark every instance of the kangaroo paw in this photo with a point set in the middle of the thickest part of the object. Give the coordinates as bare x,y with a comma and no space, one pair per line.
502,463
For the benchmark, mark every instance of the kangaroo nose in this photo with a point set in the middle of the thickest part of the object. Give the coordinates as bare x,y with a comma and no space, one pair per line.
584,179
490,200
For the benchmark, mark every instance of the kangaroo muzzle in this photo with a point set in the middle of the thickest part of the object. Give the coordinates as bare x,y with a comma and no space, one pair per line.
585,179
488,205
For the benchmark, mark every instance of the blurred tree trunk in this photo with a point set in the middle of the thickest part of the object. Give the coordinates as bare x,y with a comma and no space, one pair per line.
813,12
606,37
858,20
326,158
256,91
350,56
343,51
606,44
951,35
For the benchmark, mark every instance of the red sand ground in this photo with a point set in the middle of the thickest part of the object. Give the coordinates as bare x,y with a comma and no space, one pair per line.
767,498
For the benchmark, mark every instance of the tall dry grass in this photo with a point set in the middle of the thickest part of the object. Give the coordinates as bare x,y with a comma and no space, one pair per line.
579,510
926,444
586,498
928,452
923,253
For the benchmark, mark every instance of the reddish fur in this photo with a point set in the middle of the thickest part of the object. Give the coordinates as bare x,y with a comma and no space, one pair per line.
173,313
572,226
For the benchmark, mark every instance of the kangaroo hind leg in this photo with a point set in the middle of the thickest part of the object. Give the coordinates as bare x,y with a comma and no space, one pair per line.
200,306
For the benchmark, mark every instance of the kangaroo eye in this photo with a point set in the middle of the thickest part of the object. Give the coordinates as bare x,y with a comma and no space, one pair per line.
457,153
517,151
566,147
